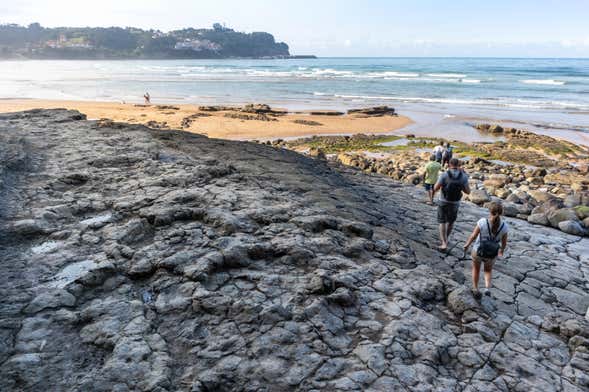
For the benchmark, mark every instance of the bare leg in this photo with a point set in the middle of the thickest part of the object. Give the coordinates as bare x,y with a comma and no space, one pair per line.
443,237
476,272
431,196
449,227
488,273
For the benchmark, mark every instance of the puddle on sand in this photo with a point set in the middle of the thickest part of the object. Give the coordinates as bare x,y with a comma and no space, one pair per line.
394,143
71,273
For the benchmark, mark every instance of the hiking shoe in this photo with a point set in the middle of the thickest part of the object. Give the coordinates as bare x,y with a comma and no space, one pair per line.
476,294
487,292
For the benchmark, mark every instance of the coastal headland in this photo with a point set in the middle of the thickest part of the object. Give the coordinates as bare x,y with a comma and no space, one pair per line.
138,259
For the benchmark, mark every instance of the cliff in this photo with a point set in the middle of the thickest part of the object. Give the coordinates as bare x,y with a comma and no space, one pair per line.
146,260
37,42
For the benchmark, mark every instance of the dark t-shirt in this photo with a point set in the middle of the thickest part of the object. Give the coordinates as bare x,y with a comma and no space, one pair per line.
443,180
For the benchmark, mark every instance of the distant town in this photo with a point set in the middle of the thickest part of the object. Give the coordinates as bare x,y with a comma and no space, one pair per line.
38,42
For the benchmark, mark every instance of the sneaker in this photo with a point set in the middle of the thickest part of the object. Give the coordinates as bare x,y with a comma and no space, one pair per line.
487,292
476,294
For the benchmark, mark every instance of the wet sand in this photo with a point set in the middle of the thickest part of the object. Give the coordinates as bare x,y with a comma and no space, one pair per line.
216,124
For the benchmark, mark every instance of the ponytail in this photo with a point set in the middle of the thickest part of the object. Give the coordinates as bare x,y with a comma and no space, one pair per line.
496,210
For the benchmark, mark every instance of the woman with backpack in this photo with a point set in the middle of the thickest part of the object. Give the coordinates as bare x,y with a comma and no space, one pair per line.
491,240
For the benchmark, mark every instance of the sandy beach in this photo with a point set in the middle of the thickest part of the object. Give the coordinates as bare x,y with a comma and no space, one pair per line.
219,124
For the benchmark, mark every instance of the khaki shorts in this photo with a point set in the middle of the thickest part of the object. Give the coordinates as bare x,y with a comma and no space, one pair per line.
477,259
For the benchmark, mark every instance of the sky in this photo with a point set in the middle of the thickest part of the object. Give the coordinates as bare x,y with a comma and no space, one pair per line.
387,28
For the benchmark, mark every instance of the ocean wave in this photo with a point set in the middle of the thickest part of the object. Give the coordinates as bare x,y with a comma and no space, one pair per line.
447,75
474,81
549,82
395,74
520,104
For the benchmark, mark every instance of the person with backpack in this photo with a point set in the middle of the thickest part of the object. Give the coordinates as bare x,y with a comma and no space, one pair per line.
447,155
491,240
439,152
453,183
430,177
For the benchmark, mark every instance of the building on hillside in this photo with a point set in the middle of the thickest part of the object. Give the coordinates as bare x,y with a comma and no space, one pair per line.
197,45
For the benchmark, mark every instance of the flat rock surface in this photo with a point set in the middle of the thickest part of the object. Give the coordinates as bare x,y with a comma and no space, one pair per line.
142,260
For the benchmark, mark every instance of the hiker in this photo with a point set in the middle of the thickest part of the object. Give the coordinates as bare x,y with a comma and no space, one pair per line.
447,155
430,177
147,98
452,183
491,240
439,152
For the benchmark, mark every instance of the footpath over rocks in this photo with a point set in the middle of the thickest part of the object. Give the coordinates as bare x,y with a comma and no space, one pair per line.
145,260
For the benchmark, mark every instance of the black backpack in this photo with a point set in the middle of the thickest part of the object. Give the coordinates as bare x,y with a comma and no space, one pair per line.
489,248
447,155
452,191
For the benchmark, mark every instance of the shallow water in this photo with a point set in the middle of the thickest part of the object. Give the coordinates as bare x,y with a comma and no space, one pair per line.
441,94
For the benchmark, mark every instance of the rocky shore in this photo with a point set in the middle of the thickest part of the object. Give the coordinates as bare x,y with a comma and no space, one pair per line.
537,178
136,259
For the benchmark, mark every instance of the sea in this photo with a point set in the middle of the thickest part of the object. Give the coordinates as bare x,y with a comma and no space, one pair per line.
444,96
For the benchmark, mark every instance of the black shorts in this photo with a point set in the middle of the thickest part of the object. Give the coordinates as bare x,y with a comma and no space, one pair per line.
447,212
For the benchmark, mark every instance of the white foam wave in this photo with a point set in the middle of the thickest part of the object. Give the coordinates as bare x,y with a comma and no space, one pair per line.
473,81
447,75
395,74
549,82
521,104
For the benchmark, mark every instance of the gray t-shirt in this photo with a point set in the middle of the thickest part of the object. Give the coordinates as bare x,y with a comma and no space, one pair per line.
482,224
443,180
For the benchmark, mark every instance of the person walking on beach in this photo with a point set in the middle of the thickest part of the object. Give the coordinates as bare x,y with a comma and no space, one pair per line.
447,155
147,98
430,177
491,240
439,152
452,183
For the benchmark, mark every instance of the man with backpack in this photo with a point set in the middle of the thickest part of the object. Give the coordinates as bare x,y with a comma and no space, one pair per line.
452,183
447,155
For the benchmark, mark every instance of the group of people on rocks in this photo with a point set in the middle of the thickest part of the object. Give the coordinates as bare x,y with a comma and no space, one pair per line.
490,233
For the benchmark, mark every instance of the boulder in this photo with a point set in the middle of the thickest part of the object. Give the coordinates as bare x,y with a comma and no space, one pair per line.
552,204
502,193
538,219
317,153
541,196
511,209
497,180
413,179
376,111
572,227
582,212
496,129
513,198
479,196
563,214
461,300
572,200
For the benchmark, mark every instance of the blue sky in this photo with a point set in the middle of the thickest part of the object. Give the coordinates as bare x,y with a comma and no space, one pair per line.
521,28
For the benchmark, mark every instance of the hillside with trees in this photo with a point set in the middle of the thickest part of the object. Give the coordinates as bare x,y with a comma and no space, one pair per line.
38,42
